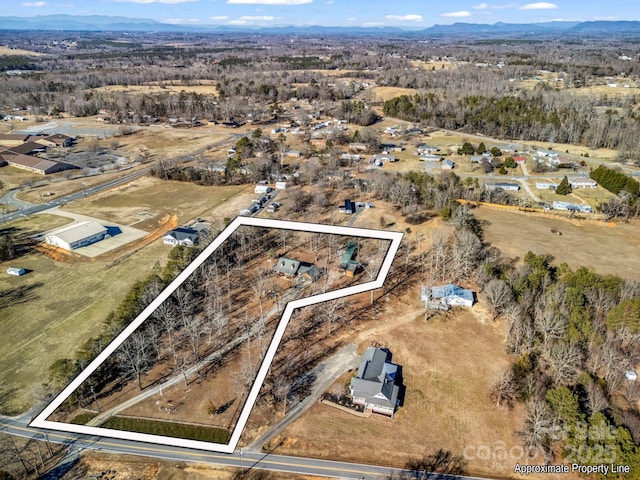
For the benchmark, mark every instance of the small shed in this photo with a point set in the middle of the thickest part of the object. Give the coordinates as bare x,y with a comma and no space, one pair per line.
16,271
631,375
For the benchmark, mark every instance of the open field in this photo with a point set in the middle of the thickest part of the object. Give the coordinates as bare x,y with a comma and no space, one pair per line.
159,89
7,51
607,249
433,65
151,198
382,94
447,368
48,313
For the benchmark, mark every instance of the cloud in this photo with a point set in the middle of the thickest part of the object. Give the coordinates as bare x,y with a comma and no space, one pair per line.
462,13
181,21
247,19
493,6
33,4
538,6
270,2
168,2
405,18
218,17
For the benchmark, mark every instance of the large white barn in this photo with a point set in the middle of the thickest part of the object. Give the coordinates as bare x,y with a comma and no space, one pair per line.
76,235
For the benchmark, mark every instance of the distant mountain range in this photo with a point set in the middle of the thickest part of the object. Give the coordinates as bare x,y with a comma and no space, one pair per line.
103,23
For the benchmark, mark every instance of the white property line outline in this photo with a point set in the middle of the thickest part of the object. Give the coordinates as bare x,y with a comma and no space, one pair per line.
40,421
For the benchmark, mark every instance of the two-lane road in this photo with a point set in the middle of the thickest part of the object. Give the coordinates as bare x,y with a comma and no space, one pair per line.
31,209
239,459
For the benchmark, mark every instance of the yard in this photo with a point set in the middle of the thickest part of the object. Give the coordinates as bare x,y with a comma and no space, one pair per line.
448,365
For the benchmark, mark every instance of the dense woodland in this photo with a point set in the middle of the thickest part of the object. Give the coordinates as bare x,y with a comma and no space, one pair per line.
254,76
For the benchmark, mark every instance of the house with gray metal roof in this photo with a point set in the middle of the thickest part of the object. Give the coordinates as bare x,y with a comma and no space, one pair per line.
451,295
375,386
183,236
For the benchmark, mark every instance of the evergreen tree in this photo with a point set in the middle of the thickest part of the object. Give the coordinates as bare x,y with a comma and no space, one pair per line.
564,188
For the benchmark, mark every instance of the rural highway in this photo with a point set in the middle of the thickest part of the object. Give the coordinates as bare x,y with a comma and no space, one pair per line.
239,459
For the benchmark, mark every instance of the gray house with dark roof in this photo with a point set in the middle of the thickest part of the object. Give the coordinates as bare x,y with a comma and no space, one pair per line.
374,386
183,236
295,268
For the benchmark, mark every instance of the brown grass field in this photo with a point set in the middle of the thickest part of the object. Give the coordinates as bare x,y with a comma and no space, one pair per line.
607,249
382,94
7,51
52,310
150,198
49,312
158,89
448,365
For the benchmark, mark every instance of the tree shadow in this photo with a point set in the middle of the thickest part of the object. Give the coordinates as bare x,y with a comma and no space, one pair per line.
18,295
441,465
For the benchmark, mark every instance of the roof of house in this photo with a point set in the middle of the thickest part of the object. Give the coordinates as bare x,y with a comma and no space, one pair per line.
78,231
310,270
14,137
451,290
286,265
447,162
183,233
375,380
58,138
349,253
26,148
585,180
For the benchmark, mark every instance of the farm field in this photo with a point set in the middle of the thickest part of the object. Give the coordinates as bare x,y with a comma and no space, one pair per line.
515,234
446,401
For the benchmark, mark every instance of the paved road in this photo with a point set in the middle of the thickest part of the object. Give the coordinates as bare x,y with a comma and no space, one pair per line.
239,459
8,217
9,199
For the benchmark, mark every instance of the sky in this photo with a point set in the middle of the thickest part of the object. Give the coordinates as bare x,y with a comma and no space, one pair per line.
362,13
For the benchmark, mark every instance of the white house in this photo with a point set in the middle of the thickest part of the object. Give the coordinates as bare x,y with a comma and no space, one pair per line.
447,164
16,271
375,384
514,187
183,236
582,182
546,185
450,295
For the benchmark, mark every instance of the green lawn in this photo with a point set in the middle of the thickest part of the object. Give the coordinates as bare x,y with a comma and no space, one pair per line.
168,429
